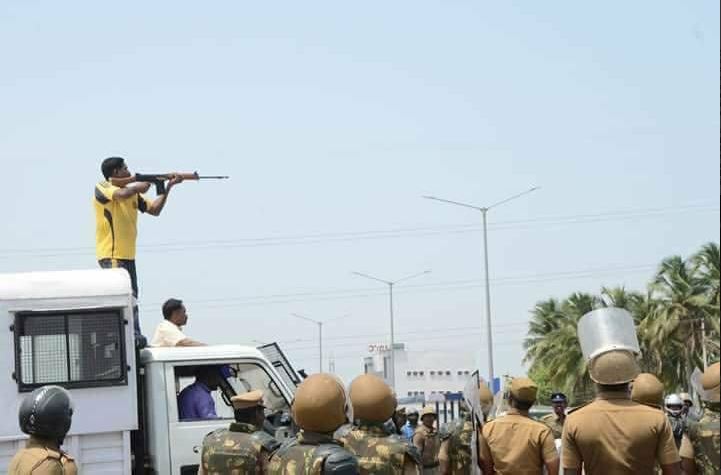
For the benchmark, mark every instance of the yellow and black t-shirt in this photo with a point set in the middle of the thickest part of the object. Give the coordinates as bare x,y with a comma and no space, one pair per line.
116,222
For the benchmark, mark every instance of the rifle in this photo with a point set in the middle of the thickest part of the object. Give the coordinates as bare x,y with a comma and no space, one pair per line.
159,179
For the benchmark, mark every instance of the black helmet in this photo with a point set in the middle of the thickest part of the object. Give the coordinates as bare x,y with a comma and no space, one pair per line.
46,412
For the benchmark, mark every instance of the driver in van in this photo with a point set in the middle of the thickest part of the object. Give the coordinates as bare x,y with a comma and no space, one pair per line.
196,400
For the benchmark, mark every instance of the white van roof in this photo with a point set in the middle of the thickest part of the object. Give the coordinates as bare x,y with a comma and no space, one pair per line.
199,353
64,284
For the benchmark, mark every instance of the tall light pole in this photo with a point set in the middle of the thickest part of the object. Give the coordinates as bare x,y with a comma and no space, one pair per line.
390,285
484,212
320,334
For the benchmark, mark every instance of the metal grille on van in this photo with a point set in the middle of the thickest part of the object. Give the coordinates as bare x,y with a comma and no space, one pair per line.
73,349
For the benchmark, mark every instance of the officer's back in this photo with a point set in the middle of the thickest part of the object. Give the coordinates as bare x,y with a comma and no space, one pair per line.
319,409
515,443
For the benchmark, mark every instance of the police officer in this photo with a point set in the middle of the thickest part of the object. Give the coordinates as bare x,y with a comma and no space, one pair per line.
515,443
614,434
648,390
377,452
399,420
456,456
700,447
674,410
319,409
45,416
427,440
555,420
411,425
243,447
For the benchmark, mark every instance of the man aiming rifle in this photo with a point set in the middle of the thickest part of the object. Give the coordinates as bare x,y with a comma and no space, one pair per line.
117,201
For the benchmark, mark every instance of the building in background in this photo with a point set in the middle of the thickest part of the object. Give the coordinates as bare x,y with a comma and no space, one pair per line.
423,377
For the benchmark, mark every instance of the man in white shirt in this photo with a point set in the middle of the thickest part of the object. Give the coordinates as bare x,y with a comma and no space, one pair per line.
169,331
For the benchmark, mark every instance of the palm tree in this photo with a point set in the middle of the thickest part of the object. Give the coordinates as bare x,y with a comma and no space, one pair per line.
672,330
668,316
552,344
707,268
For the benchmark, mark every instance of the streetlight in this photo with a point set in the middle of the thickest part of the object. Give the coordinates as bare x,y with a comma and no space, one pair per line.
484,211
390,285
320,334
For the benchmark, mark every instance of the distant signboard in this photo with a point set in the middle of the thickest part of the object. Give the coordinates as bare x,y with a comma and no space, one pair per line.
378,348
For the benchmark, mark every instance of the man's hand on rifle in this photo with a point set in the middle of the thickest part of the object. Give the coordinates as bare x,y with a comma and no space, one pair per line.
175,178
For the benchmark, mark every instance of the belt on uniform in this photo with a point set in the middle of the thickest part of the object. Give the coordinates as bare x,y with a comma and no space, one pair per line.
431,465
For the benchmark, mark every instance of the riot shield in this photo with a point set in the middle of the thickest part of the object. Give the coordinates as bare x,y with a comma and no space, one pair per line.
472,398
697,386
607,329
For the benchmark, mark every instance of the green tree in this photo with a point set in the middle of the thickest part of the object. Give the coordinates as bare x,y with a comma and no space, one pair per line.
668,316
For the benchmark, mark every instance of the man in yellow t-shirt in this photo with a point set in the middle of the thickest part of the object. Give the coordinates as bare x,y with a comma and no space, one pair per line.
116,218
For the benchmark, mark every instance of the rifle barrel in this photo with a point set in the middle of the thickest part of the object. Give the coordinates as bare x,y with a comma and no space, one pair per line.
213,177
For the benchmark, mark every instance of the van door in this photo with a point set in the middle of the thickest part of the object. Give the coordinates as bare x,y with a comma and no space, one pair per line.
187,430
281,364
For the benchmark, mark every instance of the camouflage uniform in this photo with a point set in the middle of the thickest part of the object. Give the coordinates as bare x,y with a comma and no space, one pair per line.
311,453
703,441
456,447
380,453
41,458
241,449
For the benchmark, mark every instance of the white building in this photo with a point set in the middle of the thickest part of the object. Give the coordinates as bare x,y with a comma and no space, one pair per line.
422,377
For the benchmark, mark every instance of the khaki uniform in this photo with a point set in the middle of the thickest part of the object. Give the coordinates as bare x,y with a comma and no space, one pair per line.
379,453
41,458
616,435
702,443
243,448
455,450
554,423
428,443
517,444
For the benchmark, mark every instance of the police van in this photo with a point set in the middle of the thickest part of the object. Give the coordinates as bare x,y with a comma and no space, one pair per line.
75,329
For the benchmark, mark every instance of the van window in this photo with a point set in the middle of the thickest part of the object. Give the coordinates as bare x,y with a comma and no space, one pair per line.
196,390
74,349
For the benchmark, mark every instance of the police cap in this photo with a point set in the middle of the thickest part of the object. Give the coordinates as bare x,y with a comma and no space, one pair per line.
559,398
524,390
647,389
247,400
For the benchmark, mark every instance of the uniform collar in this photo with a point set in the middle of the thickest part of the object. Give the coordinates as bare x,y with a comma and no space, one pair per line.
35,442
315,438
371,428
243,427
515,412
613,395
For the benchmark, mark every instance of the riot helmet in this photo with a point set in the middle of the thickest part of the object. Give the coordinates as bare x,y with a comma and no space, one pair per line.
647,389
321,404
674,405
47,412
372,399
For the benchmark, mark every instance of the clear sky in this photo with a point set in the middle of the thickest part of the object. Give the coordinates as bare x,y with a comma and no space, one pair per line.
332,119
